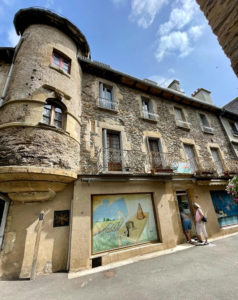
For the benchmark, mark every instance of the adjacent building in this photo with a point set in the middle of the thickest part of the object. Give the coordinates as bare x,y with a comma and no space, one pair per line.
107,160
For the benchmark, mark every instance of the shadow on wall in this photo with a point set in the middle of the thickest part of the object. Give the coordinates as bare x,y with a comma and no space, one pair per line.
20,237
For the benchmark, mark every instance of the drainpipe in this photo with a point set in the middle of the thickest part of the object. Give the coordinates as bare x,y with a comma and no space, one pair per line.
11,70
224,127
70,234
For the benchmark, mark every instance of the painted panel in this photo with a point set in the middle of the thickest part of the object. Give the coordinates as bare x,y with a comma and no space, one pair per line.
182,167
225,207
122,220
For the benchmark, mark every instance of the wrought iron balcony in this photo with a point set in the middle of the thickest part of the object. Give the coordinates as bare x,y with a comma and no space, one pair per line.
149,115
107,104
188,166
160,162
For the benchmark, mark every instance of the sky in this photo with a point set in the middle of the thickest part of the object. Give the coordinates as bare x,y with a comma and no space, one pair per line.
161,40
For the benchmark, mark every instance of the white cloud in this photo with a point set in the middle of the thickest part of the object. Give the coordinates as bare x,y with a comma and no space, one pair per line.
195,32
179,16
49,3
171,70
176,41
162,81
118,2
144,11
13,38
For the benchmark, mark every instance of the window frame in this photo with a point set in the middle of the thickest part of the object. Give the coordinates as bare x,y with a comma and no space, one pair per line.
103,101
195,161
62,59
205,128
234,128
148,114
181,123
105,150
160,151
54,105
220,160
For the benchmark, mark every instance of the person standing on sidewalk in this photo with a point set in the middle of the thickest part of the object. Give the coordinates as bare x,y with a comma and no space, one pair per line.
200,224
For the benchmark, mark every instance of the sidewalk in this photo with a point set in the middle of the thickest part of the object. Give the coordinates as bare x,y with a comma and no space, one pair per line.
206,272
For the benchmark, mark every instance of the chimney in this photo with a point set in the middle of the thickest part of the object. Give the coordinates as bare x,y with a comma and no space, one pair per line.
175,86
203,95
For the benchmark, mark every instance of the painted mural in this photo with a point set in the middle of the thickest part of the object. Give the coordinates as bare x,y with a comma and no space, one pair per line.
122,220
226,208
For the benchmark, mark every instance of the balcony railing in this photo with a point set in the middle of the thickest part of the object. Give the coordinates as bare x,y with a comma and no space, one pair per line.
188,166
149,115
108,104
160,162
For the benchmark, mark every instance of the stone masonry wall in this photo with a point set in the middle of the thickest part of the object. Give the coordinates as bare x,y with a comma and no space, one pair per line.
223,19
38,147
128,120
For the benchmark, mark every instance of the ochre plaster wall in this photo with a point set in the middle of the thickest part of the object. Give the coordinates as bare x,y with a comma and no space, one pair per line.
20,234
165,213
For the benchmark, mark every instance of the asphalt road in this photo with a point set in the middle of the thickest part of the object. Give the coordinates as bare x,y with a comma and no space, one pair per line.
202,272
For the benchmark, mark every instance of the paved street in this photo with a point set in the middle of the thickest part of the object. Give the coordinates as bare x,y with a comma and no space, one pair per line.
202,272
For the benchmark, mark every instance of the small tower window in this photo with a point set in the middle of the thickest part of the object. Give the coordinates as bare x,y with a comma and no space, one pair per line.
53,114
61,61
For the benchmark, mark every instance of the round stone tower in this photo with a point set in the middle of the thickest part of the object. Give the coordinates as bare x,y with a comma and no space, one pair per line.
41,108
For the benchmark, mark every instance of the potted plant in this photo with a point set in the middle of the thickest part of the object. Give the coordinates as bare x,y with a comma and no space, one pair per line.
232,188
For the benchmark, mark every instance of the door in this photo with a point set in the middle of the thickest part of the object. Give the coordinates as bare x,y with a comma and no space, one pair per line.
191,158
114,151
156,156
184,205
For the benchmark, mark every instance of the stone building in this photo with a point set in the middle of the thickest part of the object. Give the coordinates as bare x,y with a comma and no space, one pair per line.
108,160
222,16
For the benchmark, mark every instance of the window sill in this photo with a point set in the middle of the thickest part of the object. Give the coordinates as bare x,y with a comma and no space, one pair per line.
115,111
59,70
149,120
52,127
207,131
185,127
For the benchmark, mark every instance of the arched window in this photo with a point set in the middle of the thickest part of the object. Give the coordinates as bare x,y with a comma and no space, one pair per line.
53,113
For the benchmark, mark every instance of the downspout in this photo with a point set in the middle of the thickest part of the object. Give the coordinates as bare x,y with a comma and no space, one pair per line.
70,234
11,70
224,127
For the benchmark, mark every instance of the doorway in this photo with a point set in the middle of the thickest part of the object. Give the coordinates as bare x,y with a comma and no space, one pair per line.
184,205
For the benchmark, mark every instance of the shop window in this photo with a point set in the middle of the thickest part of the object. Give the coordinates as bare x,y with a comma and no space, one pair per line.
191,159
112,152
234,128
226,208
61,61
180,118
4,204
205,124
53,113
122,220
147,109
217,160
156,154
106,97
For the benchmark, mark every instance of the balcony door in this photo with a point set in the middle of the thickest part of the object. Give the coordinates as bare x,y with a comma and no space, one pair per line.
112,151
189,150
155,154
217,160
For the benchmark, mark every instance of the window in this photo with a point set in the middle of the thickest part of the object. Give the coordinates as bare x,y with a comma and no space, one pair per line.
205,124
156,155
61,61
236,148
147,109
217,160
112,153
191,159
52,114
4,204
106,96
180,118
234,128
